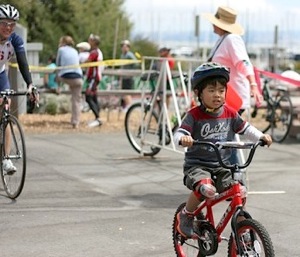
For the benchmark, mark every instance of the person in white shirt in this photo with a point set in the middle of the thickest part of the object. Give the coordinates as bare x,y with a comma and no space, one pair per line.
230,51
84,51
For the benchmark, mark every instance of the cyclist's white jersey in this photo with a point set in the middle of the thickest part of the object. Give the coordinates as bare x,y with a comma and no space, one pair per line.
8,48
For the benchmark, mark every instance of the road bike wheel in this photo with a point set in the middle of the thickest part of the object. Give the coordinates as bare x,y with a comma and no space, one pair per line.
254,240
281,119
13,183
185,247
136,118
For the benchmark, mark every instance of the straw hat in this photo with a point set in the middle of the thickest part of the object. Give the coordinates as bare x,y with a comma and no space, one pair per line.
225,18
84,45
125,42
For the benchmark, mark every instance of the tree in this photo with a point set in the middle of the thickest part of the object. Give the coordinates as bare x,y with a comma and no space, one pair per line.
48,20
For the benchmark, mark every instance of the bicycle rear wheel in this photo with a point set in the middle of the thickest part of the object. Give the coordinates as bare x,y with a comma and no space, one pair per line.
281,119
141,126
254,240
13,182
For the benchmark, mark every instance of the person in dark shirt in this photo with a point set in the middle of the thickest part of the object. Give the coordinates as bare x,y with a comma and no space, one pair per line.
211,121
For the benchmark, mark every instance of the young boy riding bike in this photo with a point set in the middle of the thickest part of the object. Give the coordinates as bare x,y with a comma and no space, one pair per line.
211,121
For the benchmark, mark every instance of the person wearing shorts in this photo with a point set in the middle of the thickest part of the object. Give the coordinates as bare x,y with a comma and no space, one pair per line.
212,121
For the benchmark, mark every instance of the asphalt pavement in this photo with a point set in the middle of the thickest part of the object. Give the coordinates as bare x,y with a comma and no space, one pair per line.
92,195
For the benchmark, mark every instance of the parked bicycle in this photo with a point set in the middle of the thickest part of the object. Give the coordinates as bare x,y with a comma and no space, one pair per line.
144,120
277,115
12,147
248,236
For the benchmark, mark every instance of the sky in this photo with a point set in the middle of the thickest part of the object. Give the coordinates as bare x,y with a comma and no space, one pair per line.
157,18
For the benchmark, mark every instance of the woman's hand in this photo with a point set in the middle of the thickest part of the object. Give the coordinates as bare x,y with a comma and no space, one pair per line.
255,93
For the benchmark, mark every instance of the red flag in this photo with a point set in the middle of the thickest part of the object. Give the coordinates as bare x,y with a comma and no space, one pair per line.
233,99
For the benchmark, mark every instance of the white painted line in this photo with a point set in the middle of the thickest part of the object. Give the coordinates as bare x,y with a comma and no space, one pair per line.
265,192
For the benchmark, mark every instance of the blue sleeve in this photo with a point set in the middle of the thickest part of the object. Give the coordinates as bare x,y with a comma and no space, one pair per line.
17,43
19,49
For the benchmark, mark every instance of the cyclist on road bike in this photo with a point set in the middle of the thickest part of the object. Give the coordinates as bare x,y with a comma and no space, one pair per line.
211,121
10,44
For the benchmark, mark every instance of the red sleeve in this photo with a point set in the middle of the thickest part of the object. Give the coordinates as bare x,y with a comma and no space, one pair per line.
93,56
171,63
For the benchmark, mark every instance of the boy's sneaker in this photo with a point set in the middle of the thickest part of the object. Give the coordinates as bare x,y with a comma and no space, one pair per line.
185,224
8,167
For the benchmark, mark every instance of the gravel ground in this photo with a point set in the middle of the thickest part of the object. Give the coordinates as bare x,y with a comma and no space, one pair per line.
113,121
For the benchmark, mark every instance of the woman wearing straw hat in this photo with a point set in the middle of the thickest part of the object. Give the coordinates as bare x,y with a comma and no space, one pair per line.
230,51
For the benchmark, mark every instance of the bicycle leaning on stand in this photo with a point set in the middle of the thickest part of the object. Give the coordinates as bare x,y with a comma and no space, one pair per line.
277,115
12,146
144,120
248,237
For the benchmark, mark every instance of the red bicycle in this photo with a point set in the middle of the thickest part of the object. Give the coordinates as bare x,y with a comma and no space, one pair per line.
248,237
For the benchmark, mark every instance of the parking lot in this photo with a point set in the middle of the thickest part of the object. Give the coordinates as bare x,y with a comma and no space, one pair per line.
92,195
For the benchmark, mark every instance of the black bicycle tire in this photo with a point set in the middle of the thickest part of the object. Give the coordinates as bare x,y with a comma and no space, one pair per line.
136,146
280,139
17,192
260,230
175,233
257,119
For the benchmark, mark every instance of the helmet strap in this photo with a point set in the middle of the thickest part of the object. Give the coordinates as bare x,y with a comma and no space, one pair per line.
209,110
206,109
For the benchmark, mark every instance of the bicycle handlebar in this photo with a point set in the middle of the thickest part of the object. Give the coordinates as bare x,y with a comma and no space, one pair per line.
232,144
12,92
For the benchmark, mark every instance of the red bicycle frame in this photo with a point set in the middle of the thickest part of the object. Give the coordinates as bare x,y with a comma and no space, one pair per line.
235,194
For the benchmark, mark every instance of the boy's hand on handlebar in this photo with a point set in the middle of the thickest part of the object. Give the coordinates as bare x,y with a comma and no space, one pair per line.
267,139
186,141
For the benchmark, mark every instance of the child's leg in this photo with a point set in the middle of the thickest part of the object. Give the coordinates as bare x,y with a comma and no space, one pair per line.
199,181
192,202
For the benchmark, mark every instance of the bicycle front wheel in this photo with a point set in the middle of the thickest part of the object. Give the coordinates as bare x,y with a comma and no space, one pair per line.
254,240
187,247
281,119
13,150
142,129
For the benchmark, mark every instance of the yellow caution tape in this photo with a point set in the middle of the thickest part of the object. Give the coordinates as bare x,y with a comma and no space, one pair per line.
113,62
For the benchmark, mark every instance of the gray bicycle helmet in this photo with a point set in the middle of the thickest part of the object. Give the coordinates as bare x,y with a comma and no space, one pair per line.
207,70
9,12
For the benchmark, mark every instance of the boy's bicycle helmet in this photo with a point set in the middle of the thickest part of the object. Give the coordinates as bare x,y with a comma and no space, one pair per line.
206,70
9,12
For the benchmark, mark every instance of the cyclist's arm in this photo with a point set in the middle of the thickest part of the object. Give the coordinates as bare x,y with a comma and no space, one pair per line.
18,45
24,68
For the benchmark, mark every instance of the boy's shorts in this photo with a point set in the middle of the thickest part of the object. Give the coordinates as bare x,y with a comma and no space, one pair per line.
221,177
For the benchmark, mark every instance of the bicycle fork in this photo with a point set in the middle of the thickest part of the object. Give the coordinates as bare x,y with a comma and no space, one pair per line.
240,212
